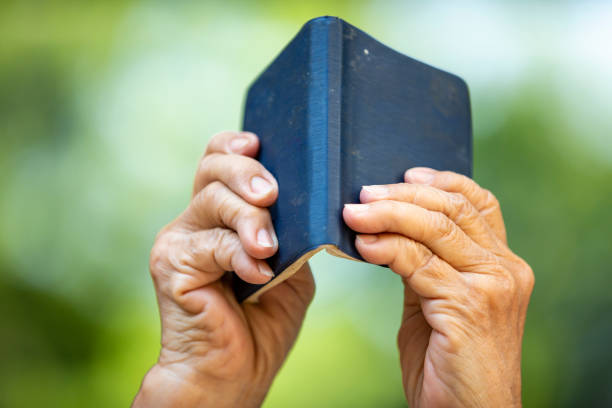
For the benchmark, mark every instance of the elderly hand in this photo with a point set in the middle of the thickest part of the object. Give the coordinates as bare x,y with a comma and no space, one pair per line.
466,292
216,352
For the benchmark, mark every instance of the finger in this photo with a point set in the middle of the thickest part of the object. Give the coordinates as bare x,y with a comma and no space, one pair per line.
218,206
227,142
426,274
244,143
455,206
431,278
483,200
433,229
245,176
183,262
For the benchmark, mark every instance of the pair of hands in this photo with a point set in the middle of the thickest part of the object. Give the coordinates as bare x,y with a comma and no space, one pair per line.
465,292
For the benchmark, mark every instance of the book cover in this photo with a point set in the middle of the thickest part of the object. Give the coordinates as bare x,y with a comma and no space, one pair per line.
337,110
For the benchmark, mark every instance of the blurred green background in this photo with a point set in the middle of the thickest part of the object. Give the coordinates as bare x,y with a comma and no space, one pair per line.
105,108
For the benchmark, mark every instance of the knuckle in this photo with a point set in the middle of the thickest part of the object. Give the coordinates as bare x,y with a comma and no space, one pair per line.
527,278
461,182
159,257
514,279
219,138
198,210
213,191
220,238
390,207
241,167
467,185
445,178
180,253
401,258
411,258
228,213
442,226
228,246
201,160
499,292
490,201
490,297
463,204
233,212
504,281
215,197
401,249
416,192
460,206
177,286
203,248
168,256
205,162
196,244
210,251
255,213
426,259
387,205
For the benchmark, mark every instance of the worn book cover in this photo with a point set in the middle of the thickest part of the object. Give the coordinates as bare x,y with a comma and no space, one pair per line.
337,110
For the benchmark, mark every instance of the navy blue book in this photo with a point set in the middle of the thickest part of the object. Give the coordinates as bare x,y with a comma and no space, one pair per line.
337,110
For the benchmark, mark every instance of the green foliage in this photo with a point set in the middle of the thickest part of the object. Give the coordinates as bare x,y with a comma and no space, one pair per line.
104,111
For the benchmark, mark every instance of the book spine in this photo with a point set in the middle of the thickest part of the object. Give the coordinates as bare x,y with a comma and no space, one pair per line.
321,128
334,130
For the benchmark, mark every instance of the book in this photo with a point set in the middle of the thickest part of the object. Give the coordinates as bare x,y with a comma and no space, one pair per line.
337,110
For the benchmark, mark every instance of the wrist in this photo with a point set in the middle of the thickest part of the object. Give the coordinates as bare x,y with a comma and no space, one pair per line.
164,387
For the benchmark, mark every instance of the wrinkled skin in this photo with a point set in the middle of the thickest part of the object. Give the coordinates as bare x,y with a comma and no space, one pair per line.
216,352
466,293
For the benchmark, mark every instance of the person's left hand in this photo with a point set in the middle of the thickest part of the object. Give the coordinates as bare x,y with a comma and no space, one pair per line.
466,292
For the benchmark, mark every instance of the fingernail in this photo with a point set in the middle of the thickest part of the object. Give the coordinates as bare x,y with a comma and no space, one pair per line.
379,191
356,207
260,185
421,175
367,239
265,270
236,145
264,239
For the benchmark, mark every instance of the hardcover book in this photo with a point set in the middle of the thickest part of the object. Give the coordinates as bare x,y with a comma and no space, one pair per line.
337,110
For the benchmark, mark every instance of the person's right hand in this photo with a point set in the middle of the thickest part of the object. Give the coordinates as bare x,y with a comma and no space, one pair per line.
214,351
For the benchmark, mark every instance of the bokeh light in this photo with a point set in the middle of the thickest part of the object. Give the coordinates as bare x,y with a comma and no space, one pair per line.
106,107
